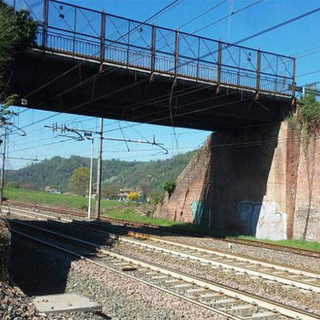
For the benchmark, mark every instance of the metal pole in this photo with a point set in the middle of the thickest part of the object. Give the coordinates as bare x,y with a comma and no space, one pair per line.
219,66
90,183
74,31
102,39
3,164
176,54
258,73
45,23
99,169
153,48
128,48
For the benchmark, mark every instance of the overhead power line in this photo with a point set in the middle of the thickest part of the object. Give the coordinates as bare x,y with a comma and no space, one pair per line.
25,159
257,34
81,133
233,13
203,13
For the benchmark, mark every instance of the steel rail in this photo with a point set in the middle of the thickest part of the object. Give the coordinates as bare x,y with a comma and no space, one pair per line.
251,267
125,224
275,307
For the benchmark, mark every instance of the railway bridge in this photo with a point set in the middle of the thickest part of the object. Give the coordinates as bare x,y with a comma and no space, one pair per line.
93,63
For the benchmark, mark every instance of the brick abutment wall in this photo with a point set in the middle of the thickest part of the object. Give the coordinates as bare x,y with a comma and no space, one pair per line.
260,180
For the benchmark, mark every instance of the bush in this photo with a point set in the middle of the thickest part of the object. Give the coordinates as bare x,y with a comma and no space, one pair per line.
310,113
169,186
133,196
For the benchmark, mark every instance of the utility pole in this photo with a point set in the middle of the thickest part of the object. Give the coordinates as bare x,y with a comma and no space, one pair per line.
90,183
3,163
99,170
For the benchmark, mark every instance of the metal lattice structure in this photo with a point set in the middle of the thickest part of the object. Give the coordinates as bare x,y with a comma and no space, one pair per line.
107,38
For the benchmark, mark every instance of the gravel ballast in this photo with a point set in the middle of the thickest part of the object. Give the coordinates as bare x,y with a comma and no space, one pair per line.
304,299
124,298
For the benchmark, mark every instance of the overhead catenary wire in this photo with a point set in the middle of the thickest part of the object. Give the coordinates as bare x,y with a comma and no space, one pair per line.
233,13
203,14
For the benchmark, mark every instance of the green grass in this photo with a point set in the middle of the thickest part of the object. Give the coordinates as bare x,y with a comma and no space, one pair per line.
129,213
50,199
117,210
296,243
110,208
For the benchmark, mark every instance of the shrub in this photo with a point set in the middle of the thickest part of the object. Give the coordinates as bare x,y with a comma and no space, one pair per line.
169,186
310,113
133,196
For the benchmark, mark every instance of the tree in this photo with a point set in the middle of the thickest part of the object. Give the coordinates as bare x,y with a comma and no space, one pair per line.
17,33
144,188
110,190
79,181
133,196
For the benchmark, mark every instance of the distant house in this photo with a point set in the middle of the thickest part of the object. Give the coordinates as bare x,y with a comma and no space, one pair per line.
52,190
124,193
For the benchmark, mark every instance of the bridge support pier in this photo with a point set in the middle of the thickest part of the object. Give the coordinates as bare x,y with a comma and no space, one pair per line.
254,181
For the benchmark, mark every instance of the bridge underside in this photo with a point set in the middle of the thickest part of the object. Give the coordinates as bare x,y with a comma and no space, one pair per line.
127,94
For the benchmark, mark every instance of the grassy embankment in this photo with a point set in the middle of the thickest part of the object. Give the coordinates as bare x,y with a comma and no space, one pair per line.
110,208
50,199
130,212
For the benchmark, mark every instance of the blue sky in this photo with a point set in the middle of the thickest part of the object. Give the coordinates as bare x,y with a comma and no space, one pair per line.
300,38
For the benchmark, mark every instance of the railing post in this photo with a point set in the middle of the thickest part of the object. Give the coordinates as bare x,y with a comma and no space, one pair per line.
153,49
45,23
128,48
258,73
74,31
294,81
198,62
176,56
219,66
102,39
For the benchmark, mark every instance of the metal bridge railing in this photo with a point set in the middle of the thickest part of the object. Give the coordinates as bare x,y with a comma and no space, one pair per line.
83,32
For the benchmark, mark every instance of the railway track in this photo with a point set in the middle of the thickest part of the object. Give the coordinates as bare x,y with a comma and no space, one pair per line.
171,230
255,268
220,299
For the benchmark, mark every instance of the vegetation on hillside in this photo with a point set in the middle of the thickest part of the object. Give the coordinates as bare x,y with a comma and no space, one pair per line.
116,174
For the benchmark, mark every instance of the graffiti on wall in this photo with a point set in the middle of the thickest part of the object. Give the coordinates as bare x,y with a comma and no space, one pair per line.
263,220
200,213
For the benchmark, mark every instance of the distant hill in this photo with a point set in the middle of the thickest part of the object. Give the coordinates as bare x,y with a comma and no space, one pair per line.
56,172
